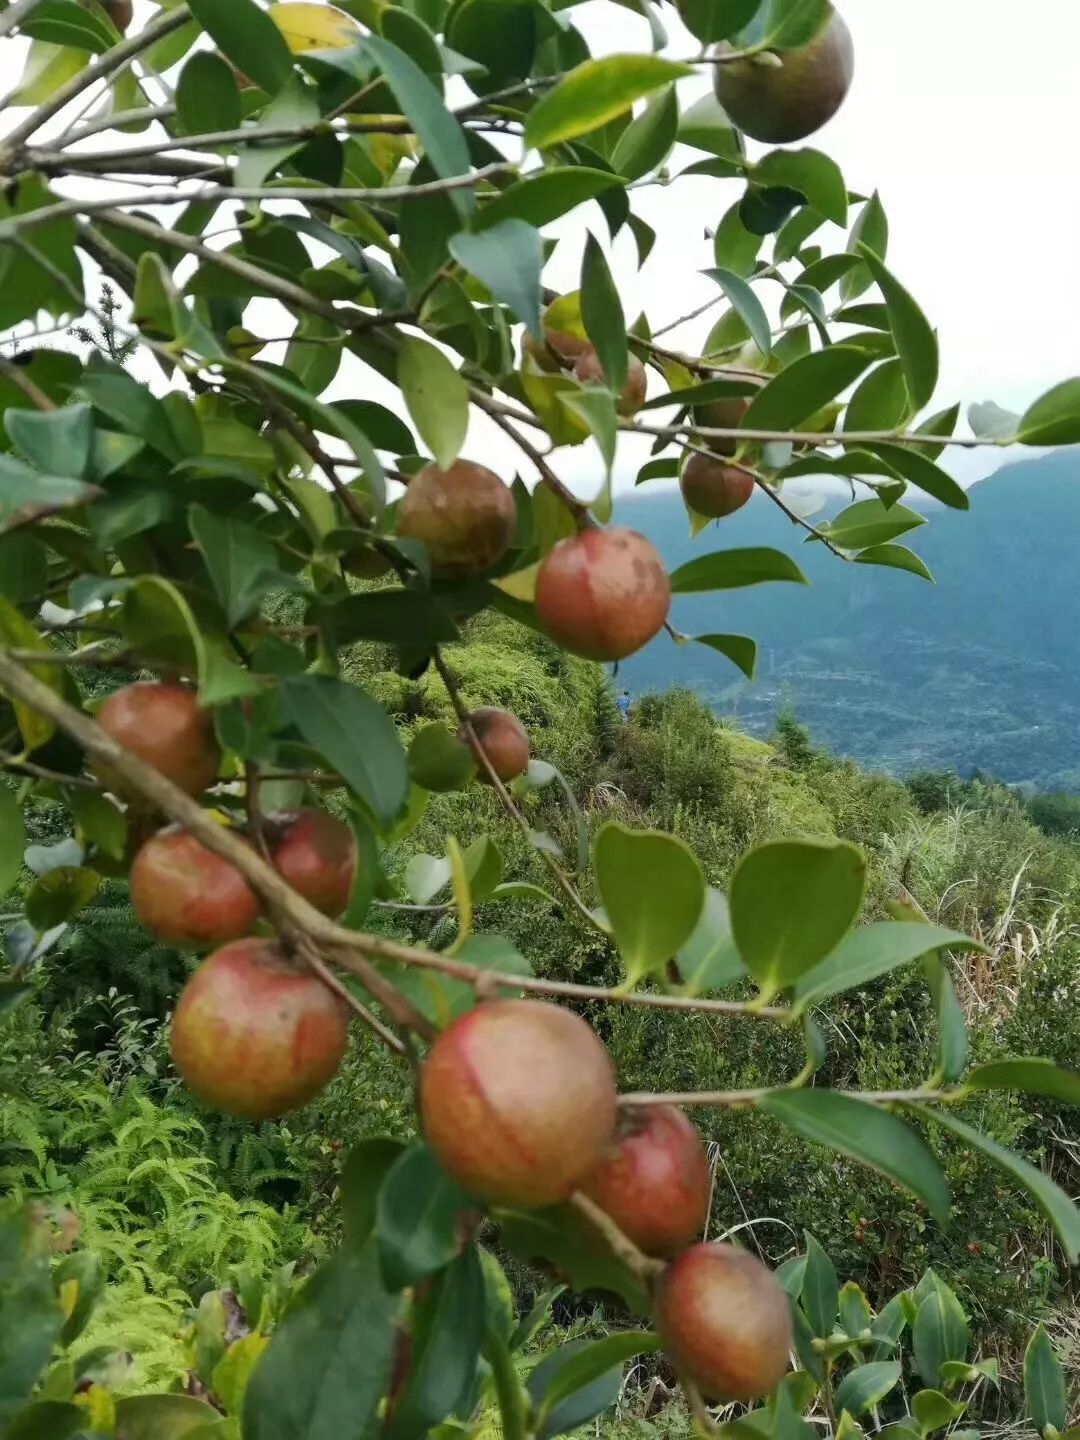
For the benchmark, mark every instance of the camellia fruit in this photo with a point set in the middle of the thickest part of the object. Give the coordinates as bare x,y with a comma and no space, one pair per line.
503,739
465,516
517,1100
714,489
787,96
725,1322
254,1035
161,723
603,593
632,396
317,856
653,1179
119,12
186,895
725,414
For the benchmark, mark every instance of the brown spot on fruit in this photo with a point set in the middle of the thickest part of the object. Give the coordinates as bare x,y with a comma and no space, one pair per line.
517,1099
465,516
317,856
255,1036
632,396
503,739
725,1321
603,593
162,724
653,1179
186,895
714,489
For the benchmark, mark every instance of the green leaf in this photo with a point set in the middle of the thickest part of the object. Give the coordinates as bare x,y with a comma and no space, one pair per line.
804,387
872,230
712,20
602,315
923,474
26,285
815,175
412,618
546,195
47,1420
855,1312
874,951
62,22
501,35
733,569
437,398
551,1386
162,1417
207,97
646,142
362,1173
746,305
506,257
653,892
354,735
867,1134
736,249
869,522
12,839
447,1330
935,1411
439,761
577,1404
242,562
417,1219
1054,419
939,1334
916,342
896,557
792,902
1044,1383
329,1362
881,402
709,959
249,38
26,494
1030,1076
739,649
867,1385
158,621
953,1043
820,1295
56,441
293,106
594,93
571,1245
132,406
54,898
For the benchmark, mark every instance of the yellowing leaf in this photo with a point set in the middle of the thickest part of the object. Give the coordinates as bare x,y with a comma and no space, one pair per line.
521,584
69,1293
314,27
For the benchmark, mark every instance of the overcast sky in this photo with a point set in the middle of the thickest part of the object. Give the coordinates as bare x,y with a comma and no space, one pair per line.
964,115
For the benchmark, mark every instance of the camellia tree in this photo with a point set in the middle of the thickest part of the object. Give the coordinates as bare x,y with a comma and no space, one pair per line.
384,173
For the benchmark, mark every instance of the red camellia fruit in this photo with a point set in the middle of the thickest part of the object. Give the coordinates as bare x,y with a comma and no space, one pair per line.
186,895
161,723
317,856
714,489
254,1035
603,593
503,739
465,516
653,1179
517,1100
725,1321
632,396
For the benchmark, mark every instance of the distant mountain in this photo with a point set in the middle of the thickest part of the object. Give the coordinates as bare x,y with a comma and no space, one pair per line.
980,671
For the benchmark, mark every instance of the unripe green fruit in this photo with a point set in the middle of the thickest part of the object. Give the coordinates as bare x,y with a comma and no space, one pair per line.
317,855
517,1099
465,516
161,723
653,1179
186,895
714,489
255,1036
603,593
503,739
781,103
725,1322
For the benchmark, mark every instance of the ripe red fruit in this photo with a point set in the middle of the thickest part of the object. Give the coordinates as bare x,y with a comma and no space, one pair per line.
186,895
653,1179
119,12
725,1321
566,346
724,414
714,489
255,1036
517,1099
317,856
503,739
465,516
603,593
161,723
632,396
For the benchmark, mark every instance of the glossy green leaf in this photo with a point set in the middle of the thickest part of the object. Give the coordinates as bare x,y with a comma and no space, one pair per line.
602,315
1054,419
953,1041
594,93
867,1385
411,618
439,761
26,494
872,230
855,1312
294,106
881,401
804,387
162,1417
923,474
546,195
739,649
436,396
916,342
447,1334
646,142
506,257
1030,1077
62,22
242,562
712,20
873,951
12,839
939,1334
24,568
895,557
869,522
577,1406
865,1133
818,177
54,898
820,1294
709,959
746,305
736,250
249,38
653,893
158,621
362,1173
417,1219
733,569
501,35
27,283
935,1411
553,1386
1044,1383
57,441
207,97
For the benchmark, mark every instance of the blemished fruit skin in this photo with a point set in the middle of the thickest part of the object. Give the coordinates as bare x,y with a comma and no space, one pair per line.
465,516
253,1035
653,1179
725,1321
161,723
517,1100
714,489
783,103
566,346
317,856
186,895
632,396
504,740
603,594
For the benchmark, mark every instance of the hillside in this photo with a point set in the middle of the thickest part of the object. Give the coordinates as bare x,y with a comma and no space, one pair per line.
980,671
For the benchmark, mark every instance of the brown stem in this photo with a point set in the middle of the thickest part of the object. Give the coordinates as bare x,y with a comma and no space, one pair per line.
623,1248
22,381
312,957
16,766
498,413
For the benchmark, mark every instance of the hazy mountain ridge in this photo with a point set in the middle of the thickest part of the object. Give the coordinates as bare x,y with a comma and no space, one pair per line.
981,670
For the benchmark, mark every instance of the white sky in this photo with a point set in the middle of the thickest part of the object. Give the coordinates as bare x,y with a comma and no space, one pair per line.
963,114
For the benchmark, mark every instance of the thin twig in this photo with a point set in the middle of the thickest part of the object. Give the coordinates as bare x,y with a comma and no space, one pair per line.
16,766
623,1248
685,319
498,413
19,378
357,1006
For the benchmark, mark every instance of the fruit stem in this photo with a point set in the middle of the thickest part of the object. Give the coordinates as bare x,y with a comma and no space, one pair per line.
624,1249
